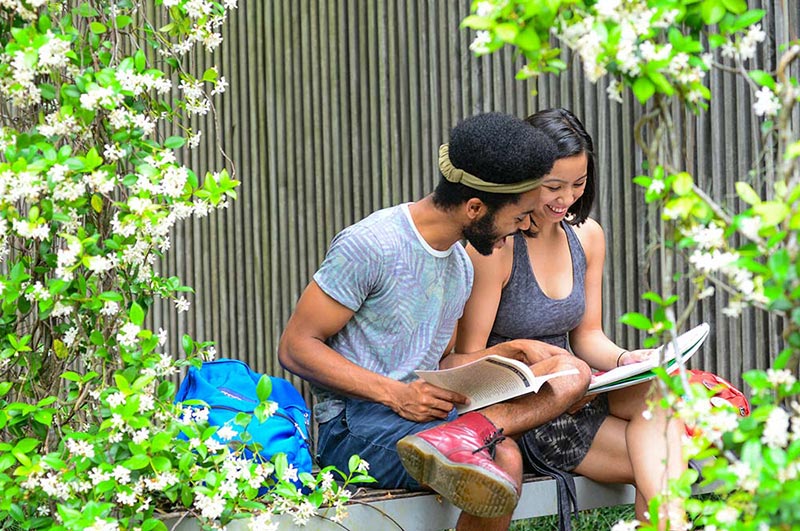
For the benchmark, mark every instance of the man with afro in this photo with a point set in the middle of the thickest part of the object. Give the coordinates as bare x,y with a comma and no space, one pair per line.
385,303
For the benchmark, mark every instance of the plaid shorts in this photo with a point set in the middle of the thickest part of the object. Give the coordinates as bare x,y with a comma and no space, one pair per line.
564,442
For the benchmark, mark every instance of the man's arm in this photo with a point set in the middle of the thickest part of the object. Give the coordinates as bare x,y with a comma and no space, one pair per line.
302,351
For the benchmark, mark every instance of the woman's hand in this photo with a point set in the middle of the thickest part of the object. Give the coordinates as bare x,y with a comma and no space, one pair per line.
635,356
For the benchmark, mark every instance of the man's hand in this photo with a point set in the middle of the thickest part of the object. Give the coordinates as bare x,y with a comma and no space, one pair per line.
530,351
421,402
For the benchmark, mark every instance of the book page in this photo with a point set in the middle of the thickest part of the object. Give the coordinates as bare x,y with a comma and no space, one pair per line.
489,380
626,375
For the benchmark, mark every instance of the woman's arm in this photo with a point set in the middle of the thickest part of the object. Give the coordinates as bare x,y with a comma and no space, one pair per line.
491,274
588,341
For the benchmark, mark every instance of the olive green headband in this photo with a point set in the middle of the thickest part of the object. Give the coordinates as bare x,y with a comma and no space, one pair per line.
455,175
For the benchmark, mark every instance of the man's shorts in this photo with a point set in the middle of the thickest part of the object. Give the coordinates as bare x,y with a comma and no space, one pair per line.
370,430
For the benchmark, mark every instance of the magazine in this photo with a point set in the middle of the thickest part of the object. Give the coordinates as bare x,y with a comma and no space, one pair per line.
634,373
490,380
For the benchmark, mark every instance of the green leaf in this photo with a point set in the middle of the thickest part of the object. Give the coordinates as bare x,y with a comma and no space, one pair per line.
747,194
264,388
506,31
636,320
736,7
136,314
60,349
5,387
528,40
137,462
122,20
643,89
154,524
139,61
762,78
712,11
477,23
26,445
48,91
682,184
661,83
98,28
771,212
97,203
174,142
748,18
210,75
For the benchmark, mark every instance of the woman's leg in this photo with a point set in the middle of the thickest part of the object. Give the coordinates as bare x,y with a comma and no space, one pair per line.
653,441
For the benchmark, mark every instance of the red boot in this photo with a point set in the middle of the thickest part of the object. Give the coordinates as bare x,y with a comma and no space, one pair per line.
455,460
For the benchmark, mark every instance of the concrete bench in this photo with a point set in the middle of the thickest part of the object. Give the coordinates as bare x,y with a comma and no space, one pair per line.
371,510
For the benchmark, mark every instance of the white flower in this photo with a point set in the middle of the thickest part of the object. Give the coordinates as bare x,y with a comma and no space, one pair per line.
103,525
220,86
776,429
750,227
656,186
734,309
622,525
109,309
363,467
226,433
707,292
727,515
60,309
748,44
780,377
614,91
290,474
146,402
608,9
70,335
194,140
182,305
767,103
127,335
80,448
481,43
53,54
115,399
162,336
121,474
126,498
262,522
209,507
141,435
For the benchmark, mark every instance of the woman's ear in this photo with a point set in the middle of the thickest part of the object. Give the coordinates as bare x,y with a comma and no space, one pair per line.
475,208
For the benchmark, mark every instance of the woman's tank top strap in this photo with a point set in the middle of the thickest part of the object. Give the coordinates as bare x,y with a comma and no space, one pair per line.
525,311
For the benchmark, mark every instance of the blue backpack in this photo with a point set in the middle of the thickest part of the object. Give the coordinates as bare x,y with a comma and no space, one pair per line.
229,388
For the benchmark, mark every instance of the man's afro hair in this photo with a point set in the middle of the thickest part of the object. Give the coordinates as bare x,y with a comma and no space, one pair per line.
500,148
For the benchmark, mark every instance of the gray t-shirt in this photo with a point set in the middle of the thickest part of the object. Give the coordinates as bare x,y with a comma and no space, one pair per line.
407,298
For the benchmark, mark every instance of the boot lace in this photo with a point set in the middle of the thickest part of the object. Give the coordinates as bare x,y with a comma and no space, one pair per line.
491,442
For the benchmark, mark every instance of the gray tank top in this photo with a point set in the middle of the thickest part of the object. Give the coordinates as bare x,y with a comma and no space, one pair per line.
525,312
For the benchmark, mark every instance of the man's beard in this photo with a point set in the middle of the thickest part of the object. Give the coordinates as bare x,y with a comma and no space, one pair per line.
482,234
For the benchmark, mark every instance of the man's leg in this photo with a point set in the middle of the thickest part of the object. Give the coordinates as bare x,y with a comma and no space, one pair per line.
518,416
456,459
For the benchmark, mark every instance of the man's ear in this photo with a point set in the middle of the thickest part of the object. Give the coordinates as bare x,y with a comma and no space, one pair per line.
475,208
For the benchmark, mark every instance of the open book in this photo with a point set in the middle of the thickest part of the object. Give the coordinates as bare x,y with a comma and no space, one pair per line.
634,373
489,380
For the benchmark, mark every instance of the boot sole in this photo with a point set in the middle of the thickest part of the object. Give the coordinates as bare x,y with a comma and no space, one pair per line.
469,487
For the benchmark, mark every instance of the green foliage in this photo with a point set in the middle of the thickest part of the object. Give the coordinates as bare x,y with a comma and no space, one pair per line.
746,248
89,191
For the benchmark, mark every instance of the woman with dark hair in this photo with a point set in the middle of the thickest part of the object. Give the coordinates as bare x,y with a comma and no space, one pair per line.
546,284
